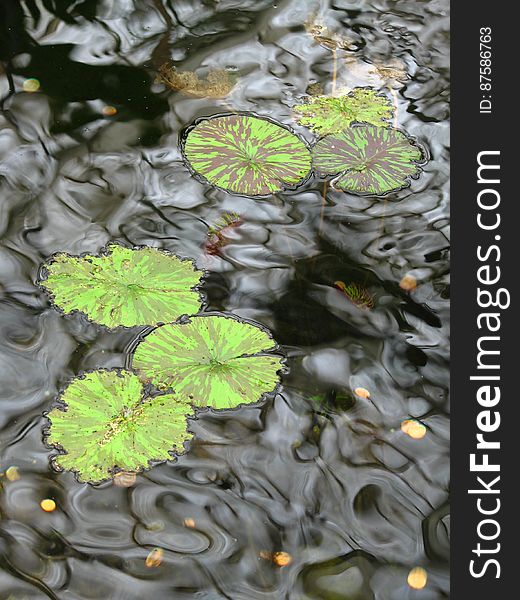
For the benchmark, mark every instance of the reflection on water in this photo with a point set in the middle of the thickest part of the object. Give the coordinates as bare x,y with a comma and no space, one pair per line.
325,475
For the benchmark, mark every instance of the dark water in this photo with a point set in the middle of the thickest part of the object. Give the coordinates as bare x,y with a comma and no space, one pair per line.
332,481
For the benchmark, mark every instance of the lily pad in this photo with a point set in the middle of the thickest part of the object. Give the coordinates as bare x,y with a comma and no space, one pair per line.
368,160
108,425
332,114
124,286
217,361
247,155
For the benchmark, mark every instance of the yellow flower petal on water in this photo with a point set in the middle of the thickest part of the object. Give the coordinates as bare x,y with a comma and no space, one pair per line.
408,283
189,523
282,559
31,85
48,505
109,111
417,578
362,392
413,428
154,559
12,473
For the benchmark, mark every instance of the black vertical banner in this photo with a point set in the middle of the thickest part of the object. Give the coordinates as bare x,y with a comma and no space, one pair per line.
485,232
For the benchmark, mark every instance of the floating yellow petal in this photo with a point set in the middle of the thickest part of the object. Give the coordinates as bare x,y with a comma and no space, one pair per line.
109,111
413,428
12,473
282,559
408,283
48,505
417,578
31,85
154,559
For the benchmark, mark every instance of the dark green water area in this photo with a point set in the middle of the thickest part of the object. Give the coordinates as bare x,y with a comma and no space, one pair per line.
334,484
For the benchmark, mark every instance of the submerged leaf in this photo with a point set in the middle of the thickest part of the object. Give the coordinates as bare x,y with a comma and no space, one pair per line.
225,221
368,160
357,294
332,114
217,84
217,233
247,155
124,286
108,425
325,37
393,74
217,361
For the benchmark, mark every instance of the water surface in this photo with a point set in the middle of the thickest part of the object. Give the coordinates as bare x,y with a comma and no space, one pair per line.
315,471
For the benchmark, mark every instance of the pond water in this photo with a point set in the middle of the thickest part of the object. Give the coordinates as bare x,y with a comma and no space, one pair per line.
315,471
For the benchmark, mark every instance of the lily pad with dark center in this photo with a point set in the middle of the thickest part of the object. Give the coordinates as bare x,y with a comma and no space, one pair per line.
108,425
368,160
216,361
124,286
247,155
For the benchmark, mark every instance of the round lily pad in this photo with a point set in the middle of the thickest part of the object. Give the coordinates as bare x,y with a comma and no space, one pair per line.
107,425
124,286
247,155
368,160
332,114
217,361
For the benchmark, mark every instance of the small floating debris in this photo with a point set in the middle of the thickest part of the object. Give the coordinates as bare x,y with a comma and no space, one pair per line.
216,84
280,559
12,473
125,479
189,523
357,294
109,111
417,578
154,558
31,85
415,429
325,37
408,283
48,505
362,392
392,73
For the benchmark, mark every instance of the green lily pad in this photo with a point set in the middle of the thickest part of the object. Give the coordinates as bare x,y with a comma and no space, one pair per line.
332,114
217,361
124,286
247,155
368,160
108,425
